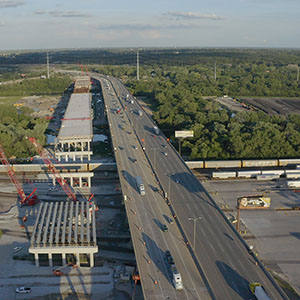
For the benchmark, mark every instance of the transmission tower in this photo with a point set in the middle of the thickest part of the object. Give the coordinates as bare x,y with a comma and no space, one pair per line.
137,65
48,69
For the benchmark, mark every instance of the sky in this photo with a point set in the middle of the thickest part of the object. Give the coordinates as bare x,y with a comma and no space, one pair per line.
53,24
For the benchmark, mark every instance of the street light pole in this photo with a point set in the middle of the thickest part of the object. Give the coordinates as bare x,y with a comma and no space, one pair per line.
194,220
154,155
169,189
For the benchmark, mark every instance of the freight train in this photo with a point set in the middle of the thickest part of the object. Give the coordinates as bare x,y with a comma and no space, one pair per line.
245,163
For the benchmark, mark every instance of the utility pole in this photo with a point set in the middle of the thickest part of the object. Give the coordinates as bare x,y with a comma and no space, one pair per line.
215,74
194,220
238,208
48,70
137,65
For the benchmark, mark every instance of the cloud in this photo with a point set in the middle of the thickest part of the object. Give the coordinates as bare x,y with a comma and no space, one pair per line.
11,3
192,15
142,27
62,14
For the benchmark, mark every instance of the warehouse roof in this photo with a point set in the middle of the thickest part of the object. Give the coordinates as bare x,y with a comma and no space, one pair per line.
77,121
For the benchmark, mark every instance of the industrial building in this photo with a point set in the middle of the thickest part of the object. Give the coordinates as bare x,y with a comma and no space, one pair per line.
64,232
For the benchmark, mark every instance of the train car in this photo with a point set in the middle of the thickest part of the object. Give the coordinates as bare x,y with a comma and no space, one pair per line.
223,175
288,162
292,175
222,164
273,172
260,163
195,164
248,174
267,176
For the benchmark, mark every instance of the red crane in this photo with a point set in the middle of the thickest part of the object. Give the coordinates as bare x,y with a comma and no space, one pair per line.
25,200
81,66
46,157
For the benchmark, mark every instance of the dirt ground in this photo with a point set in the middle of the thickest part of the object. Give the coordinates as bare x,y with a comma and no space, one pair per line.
273,106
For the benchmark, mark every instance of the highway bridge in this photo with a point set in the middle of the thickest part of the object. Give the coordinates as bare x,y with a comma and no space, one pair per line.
211,256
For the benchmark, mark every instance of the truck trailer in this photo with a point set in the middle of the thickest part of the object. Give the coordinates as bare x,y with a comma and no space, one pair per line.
174,274
259,292
140,185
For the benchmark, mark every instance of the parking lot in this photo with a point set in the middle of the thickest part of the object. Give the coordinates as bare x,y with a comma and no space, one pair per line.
274,232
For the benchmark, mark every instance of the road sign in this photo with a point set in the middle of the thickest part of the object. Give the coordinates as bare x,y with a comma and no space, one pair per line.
184,134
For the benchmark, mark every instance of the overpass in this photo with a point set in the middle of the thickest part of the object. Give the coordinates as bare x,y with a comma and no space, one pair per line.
216,264
148,213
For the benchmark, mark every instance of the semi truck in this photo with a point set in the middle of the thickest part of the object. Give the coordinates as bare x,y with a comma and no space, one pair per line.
140,185
175,276
259,292
156,130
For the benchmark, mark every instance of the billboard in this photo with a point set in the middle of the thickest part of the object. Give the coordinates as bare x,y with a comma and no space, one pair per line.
184,134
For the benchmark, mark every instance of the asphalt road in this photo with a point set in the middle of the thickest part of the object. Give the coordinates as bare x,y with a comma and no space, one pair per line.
147,214
224,260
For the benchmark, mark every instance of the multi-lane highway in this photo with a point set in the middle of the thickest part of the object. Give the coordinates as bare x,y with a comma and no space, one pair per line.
148,213
223,262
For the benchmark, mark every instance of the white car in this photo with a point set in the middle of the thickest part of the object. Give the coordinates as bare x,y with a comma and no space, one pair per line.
23,290
17,249
165,153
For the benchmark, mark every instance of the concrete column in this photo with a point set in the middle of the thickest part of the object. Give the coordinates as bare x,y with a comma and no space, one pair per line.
66,157
80,181
91,260
75,145
71,181
81,157
77,259
74,157
50,260
89,146
53,181
64,261
89,182
36,258
82,146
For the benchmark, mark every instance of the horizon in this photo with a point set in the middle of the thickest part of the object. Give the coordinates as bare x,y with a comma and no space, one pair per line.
31,24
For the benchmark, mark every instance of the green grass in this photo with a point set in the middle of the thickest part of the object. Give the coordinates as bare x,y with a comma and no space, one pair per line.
10,99
1,232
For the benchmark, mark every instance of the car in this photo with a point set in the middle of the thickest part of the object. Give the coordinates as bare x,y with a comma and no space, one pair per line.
17,249
135,147
165,153
165,146
164,228
23,290
167,253
171,221
177,181
134,160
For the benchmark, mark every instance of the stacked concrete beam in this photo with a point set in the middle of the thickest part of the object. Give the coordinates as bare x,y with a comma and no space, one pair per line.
65,228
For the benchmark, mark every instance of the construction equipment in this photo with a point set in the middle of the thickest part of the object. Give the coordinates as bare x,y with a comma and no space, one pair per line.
136,277
46,157
258,290
25,200
58,272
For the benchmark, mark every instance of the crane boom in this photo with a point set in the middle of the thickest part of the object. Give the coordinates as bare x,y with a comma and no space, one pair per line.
46,157
31,199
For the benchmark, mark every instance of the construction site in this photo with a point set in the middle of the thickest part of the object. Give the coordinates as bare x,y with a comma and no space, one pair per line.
65,232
